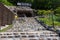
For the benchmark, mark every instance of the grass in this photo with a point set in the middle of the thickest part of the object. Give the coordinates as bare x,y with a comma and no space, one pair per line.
7,28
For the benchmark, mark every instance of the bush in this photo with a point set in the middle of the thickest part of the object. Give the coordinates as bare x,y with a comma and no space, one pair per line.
48,17
43,12
5,2
58,19
57,11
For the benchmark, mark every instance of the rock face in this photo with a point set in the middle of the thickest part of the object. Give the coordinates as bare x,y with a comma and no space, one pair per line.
6,16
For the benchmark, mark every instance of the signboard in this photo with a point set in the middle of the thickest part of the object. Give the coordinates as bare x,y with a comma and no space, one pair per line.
24,4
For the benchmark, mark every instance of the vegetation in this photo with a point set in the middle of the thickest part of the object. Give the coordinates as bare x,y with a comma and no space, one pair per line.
5,29
47,17
36,4
6,2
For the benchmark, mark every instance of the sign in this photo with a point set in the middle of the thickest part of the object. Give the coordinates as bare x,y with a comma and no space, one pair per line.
24,4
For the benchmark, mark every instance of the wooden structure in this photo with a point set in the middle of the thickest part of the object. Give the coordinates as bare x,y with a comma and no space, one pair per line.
24,11
6,16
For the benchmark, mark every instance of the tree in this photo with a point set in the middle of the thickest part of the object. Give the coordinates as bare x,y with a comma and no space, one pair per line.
37,4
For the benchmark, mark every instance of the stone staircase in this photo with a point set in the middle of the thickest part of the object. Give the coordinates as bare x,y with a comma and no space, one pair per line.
23,24
42,35
28,29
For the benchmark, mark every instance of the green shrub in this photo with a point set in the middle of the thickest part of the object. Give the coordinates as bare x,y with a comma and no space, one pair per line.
5,2
44,12
57,11
48,17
